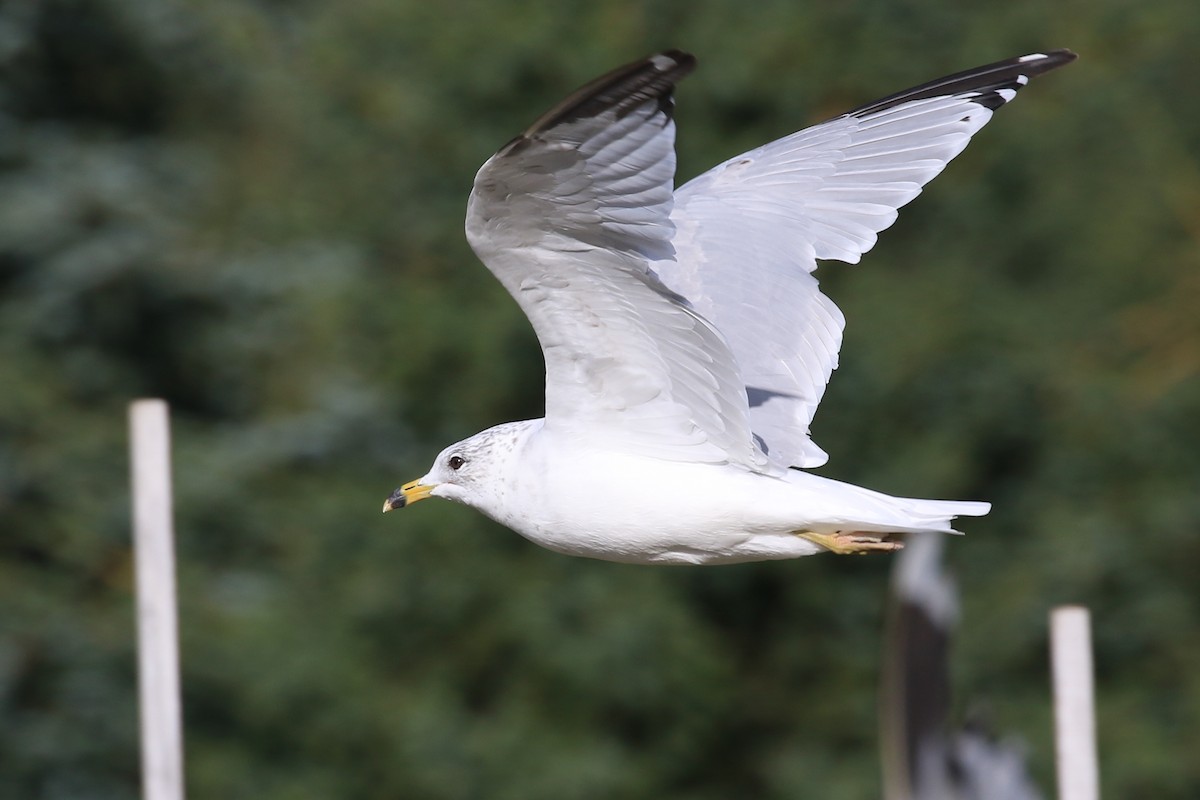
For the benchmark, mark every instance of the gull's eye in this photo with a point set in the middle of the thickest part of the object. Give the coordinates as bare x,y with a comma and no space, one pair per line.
456,461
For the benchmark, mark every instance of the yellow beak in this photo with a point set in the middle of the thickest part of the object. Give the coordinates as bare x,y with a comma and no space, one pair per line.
409,493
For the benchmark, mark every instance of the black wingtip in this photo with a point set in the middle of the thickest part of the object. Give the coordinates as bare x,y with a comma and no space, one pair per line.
1052,59
991,85
621,90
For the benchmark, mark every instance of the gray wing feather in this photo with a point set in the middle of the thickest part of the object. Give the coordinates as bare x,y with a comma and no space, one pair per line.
569,217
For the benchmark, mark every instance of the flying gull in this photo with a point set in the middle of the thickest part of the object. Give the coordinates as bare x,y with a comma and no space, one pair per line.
686,342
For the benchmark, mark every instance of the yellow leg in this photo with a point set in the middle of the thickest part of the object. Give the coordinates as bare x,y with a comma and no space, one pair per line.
857,542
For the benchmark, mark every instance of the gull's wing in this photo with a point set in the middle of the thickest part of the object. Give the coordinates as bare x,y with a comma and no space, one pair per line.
568,216
750,231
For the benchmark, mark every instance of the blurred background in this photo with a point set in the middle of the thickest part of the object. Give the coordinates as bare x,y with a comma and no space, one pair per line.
254,210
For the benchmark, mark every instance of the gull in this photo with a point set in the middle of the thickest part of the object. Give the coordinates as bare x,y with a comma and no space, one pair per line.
685,338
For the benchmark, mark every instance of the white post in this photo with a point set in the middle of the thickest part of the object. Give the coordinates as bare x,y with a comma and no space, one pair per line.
1074,704
158,645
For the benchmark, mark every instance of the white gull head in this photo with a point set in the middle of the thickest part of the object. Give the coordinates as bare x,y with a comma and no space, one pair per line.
478,472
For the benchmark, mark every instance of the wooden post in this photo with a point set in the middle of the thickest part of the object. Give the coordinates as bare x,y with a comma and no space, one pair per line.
158,644
1074,704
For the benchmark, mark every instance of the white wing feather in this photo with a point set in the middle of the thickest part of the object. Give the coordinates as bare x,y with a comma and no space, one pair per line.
750,231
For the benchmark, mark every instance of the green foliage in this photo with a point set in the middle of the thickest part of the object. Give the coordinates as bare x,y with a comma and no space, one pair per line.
253,209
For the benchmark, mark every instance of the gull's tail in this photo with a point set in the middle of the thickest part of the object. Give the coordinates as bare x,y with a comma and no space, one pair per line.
936,515
844,508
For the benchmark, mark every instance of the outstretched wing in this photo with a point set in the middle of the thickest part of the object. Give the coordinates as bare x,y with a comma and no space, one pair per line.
749,232
569,216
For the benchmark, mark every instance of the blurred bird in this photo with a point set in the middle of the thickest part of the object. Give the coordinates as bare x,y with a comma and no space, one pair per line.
686,342
924,757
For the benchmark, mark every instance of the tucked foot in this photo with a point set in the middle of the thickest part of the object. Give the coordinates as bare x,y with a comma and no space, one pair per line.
852,542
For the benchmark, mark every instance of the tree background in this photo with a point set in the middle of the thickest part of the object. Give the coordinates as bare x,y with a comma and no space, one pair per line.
253,209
